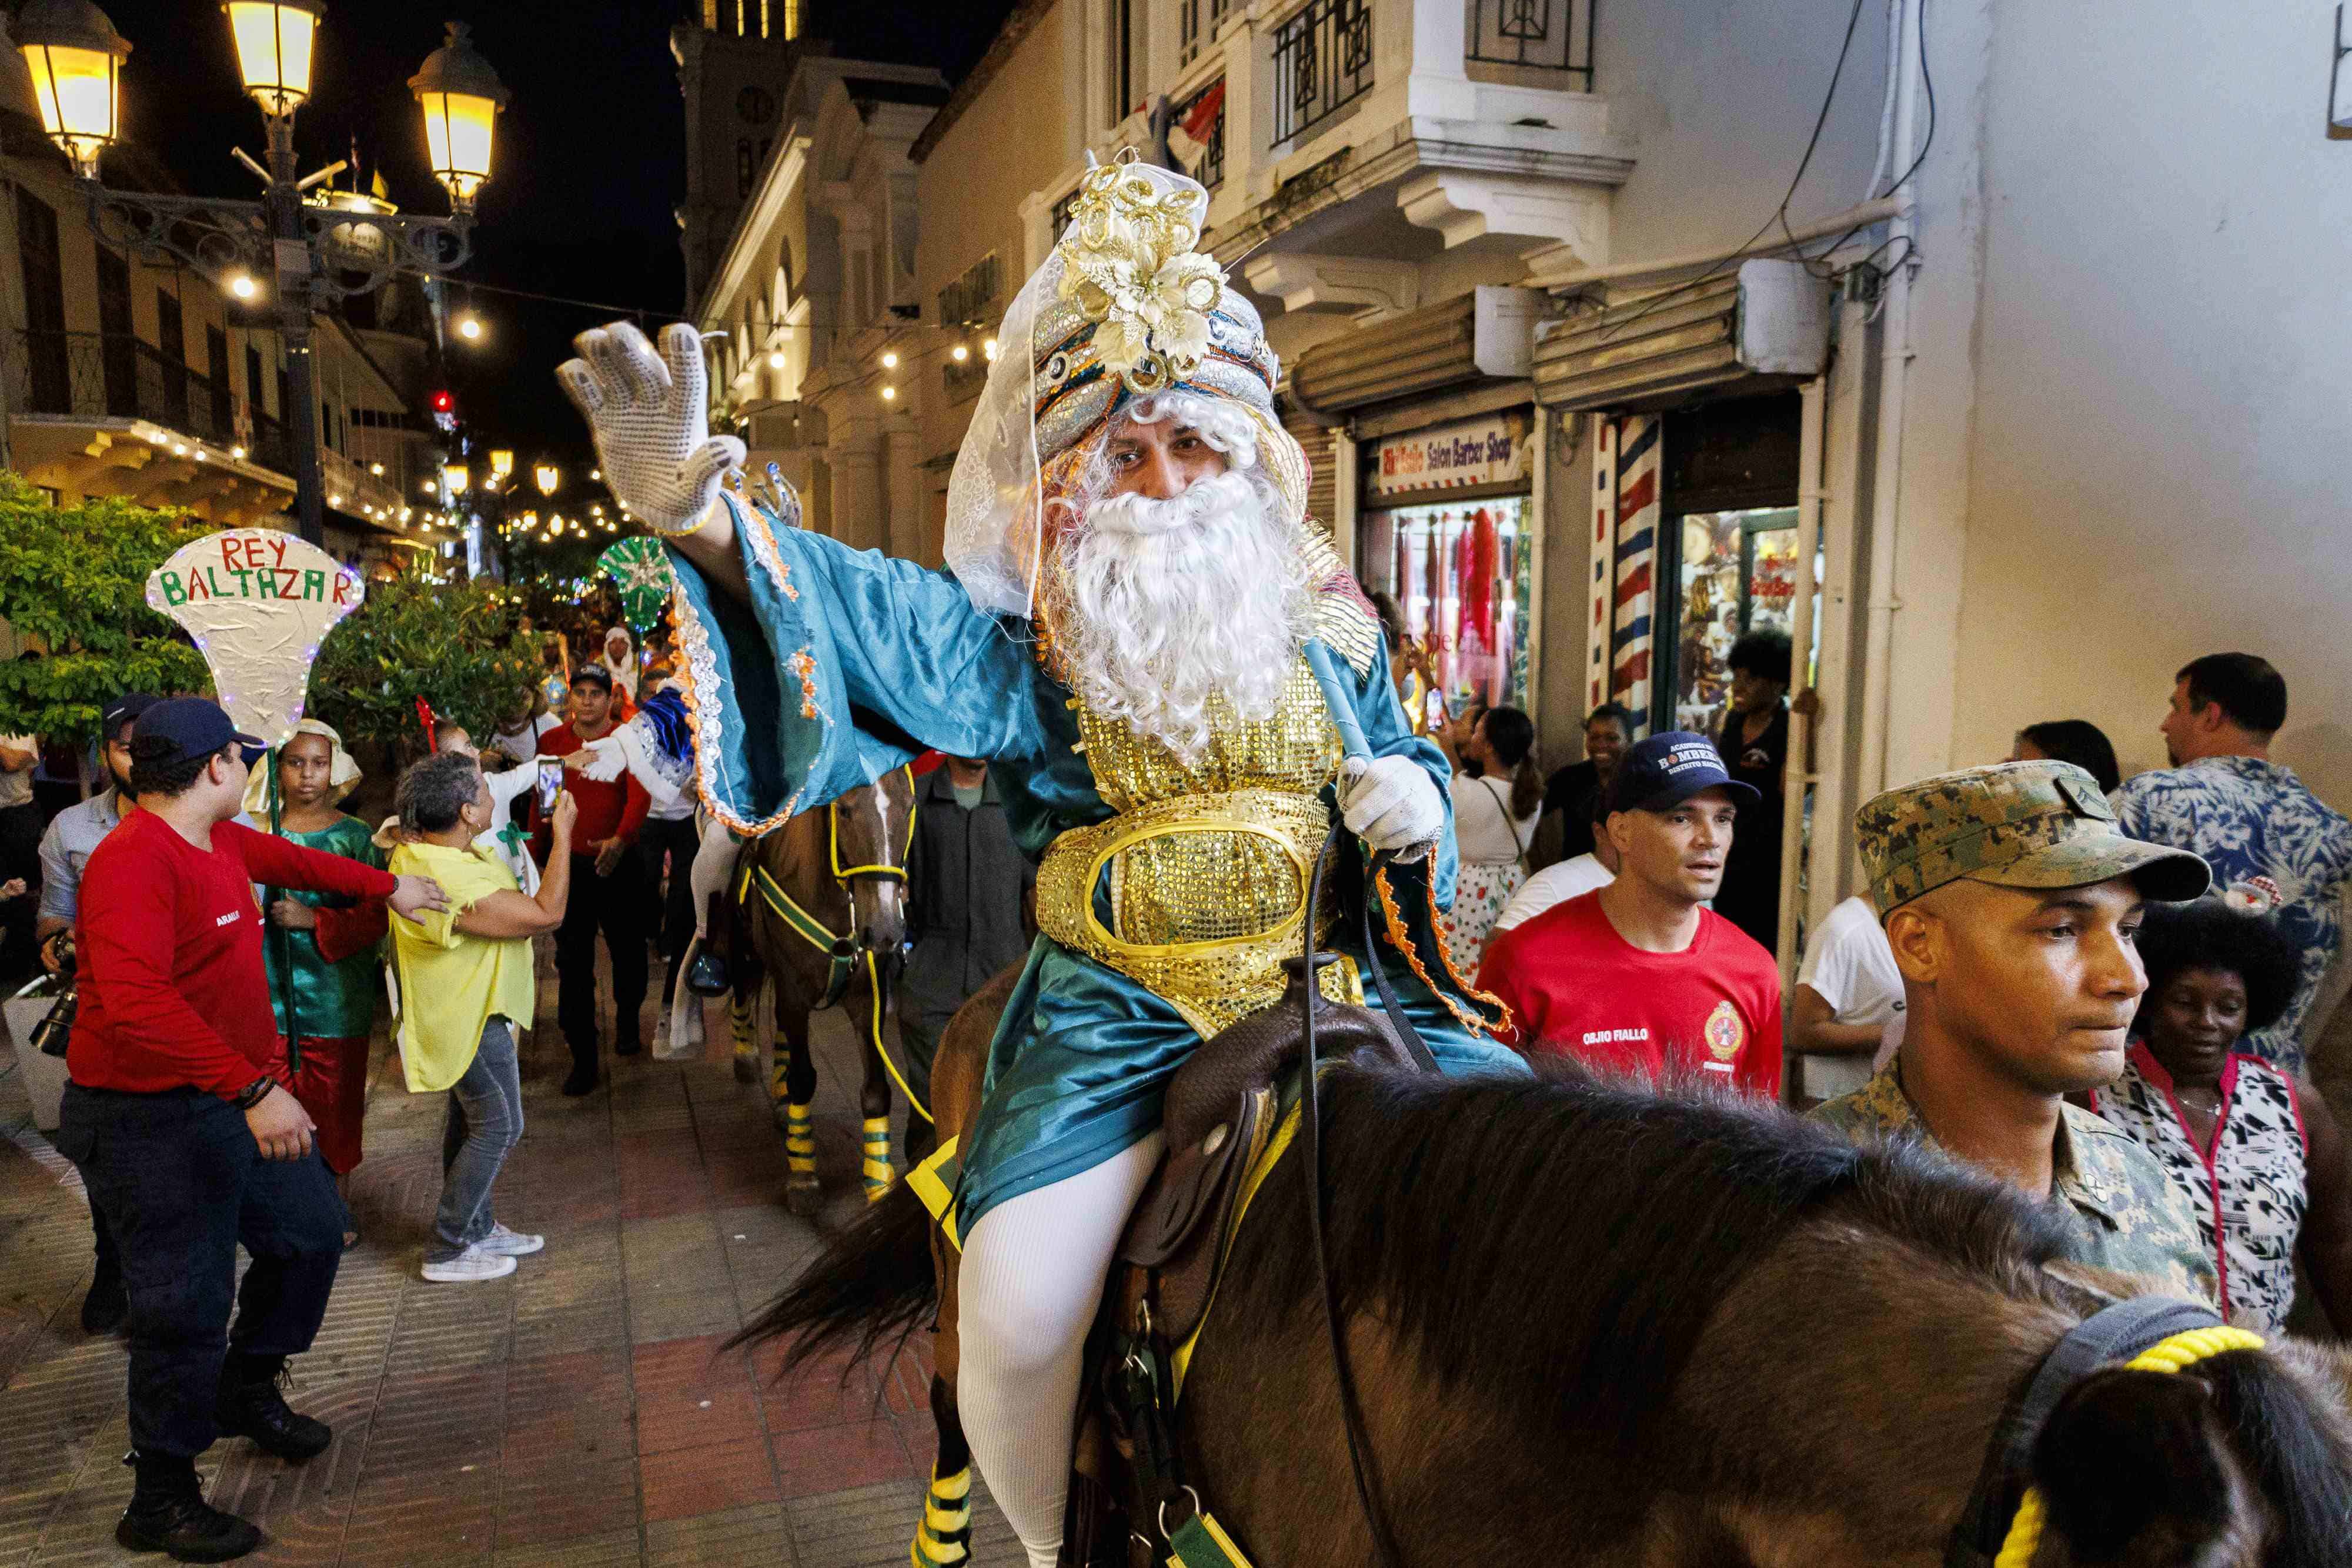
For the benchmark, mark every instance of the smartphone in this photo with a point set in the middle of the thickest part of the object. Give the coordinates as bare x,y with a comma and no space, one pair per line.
550,785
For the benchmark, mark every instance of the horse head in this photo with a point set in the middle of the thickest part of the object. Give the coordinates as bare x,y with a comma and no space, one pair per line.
873,829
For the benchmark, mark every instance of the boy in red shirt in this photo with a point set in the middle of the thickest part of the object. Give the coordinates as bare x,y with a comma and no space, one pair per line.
188,1145
1640,976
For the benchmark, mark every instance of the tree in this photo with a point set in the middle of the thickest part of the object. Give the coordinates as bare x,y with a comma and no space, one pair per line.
454,644
73,581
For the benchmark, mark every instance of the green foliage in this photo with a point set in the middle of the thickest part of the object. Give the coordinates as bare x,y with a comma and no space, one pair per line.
74,579
453,644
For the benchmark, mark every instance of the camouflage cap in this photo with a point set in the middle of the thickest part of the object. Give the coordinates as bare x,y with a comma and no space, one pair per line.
2014,824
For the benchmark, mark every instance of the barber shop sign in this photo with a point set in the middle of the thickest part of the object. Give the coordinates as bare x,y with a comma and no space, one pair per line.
1491,450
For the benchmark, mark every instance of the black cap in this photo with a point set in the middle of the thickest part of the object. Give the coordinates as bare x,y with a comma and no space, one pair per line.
1665,769
194,726
594,676
123,709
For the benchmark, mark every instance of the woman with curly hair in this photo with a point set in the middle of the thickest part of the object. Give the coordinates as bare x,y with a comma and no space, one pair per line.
2256,1148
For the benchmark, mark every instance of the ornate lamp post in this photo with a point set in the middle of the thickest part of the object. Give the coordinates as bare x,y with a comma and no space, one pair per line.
547,478
305,252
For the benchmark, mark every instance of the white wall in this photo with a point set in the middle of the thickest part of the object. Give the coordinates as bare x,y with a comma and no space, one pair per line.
1719,97
2158,462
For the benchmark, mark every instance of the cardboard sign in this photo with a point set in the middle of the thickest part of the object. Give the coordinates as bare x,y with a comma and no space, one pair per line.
258,603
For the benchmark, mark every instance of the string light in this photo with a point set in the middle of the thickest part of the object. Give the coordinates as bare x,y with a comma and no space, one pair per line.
889,394
890,359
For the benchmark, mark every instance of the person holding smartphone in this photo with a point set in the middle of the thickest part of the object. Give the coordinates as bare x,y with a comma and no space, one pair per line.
186,1142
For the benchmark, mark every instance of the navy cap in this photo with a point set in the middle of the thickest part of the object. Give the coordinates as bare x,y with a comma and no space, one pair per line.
592,675
1667,769
123,709
194,725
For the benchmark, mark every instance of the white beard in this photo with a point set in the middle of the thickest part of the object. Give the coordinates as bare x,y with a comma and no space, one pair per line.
1175,604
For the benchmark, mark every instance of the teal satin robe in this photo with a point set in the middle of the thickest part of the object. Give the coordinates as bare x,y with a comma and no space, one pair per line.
331,1001
847,663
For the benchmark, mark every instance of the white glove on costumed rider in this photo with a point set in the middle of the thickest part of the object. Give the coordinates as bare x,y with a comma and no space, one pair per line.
652,432
1391,804
607,762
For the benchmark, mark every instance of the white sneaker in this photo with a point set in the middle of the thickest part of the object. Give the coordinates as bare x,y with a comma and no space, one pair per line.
504,1243
473,1263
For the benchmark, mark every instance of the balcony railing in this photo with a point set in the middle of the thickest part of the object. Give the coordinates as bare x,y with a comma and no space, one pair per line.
1534,34
1322,63
101,375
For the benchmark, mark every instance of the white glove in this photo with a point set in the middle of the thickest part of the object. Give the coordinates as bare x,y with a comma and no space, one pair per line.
608,761
647,413
1391,804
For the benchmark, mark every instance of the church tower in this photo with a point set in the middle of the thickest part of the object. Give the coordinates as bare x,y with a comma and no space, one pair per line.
733,60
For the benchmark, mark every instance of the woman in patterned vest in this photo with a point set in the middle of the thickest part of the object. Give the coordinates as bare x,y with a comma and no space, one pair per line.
2256,1149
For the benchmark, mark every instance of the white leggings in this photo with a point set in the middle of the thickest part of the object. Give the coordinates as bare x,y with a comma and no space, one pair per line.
1030,1282
714,865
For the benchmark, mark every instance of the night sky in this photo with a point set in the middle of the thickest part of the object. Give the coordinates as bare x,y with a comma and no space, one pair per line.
590,158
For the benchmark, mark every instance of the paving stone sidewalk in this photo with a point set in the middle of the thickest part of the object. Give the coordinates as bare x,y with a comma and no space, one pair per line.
579,1411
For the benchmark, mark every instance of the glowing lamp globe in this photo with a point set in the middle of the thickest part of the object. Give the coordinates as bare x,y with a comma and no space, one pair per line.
274,40
460,97
76,57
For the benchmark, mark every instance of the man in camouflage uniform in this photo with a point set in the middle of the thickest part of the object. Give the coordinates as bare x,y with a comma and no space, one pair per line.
2011,898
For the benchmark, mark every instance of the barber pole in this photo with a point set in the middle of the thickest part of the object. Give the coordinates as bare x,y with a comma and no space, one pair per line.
1638,515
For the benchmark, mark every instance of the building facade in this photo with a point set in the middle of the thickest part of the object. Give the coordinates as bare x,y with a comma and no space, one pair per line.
2000,376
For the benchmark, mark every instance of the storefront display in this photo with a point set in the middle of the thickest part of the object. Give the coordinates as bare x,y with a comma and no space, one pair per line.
1461,568
1738,574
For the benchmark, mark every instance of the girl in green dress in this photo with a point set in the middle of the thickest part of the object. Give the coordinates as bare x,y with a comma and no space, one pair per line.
322,950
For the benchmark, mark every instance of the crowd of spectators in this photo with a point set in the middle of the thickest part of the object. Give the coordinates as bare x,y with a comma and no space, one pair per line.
2099,989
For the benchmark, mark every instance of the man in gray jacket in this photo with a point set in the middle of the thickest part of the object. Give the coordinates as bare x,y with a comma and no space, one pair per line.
970,914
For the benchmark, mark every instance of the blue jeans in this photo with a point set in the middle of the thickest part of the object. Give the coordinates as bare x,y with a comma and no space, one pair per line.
179,1180
484,1125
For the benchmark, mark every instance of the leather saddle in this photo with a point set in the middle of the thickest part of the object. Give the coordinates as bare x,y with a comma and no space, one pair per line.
1220,1114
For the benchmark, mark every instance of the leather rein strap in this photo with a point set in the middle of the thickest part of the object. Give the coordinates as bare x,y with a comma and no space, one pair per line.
1310,1118
2111,1335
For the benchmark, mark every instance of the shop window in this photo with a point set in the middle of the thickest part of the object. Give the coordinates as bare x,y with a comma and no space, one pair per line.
1461,566
1738,574
1462,574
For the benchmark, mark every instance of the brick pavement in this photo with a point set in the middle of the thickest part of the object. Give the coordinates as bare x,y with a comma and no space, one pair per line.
577,1412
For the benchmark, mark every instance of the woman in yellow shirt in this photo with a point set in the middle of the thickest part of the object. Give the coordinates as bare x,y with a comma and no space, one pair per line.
466,985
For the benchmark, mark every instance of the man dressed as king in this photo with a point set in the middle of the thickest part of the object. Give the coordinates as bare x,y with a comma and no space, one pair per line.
1131,630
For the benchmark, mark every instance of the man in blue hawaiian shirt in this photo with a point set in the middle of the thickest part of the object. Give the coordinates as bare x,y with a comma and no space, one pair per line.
2253,819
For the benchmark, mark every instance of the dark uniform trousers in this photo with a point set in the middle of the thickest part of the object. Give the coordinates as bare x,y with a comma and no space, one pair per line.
181,1183
621,905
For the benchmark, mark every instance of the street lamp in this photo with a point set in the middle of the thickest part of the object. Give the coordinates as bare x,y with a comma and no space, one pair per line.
454,477
74,54
273,49
501,462
546,478
309,251
460,97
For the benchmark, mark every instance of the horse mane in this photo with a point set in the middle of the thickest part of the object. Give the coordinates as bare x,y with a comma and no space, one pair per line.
2296,1456
1454,1210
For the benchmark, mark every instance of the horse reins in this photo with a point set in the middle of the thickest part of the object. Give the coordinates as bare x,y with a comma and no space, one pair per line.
1310,1117
2000,1525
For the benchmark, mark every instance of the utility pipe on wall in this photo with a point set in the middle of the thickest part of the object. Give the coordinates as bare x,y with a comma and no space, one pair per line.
1886,486
1798,773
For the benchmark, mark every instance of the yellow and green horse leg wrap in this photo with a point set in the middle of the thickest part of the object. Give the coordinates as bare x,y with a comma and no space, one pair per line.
739,1023
945,1536
800,1143
876,1166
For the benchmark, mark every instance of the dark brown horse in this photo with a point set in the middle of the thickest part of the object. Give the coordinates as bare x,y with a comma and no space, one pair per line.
823,902
1593,1324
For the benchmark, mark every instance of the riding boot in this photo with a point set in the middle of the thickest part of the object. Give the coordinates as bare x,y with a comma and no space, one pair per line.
707,976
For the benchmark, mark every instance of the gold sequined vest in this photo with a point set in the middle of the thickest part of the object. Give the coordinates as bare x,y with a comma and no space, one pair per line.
1207,861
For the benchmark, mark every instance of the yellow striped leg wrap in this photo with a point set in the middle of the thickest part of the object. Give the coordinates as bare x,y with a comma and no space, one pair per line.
800,1141
876,1167
945,1535
739,1021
